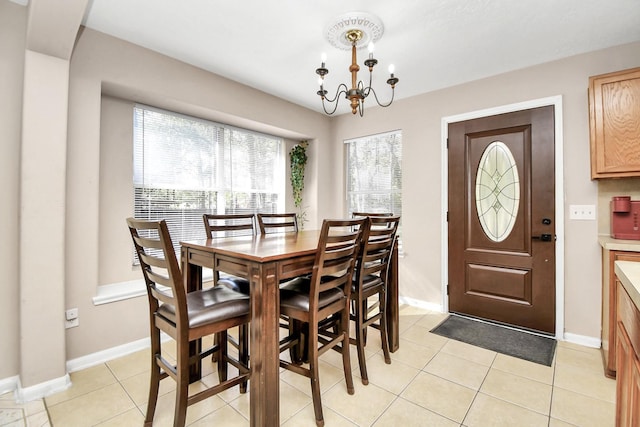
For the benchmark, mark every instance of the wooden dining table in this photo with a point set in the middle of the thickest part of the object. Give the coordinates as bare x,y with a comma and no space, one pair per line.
266,260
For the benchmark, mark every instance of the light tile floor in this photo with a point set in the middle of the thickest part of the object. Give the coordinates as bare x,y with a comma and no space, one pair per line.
432,381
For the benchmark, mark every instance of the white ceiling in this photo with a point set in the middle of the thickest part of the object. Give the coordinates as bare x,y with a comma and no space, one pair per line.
275,45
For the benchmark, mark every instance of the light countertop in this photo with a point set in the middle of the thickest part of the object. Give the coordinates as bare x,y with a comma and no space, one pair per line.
628,273
609,243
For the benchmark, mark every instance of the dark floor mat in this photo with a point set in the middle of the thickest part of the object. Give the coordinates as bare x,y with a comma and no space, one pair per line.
524,345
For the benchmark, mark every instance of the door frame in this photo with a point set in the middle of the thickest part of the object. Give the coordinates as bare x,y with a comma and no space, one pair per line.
556,101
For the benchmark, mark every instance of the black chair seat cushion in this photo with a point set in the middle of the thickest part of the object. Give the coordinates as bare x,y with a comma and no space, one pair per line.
237,284
368,281
295,294
209,305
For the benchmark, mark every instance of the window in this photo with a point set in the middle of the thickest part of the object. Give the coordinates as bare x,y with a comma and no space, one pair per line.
185,167
374,173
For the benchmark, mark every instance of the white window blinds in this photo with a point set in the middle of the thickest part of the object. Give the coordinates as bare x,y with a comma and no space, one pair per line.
374,173
185,167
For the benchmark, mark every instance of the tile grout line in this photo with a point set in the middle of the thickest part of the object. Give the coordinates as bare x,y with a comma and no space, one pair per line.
478,390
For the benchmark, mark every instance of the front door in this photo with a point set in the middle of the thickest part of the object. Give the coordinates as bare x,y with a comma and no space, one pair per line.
501,218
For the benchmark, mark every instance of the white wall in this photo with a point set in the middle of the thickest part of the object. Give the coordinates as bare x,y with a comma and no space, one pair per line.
13,20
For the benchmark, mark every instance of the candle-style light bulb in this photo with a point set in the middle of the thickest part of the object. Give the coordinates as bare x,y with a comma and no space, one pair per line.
392,69
320,81
323,58
370,48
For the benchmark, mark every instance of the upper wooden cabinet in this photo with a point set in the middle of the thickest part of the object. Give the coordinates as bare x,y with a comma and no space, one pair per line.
614,118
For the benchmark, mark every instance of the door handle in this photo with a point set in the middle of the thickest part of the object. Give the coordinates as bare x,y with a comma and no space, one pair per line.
544,237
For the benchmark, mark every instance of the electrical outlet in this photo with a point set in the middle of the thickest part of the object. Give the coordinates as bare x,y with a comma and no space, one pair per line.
582,212
71,318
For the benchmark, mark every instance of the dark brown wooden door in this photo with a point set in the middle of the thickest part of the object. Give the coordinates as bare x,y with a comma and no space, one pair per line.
501,218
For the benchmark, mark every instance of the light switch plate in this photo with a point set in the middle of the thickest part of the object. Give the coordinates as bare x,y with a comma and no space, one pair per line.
582,212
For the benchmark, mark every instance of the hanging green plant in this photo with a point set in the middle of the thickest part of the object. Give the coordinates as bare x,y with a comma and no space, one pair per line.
298,157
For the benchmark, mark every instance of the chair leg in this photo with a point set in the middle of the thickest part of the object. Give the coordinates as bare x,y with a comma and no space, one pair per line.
295,351
384,336
365,311
154,382
215,356
360,342
182,387
243,351
346,347
223,344
315,377
299,353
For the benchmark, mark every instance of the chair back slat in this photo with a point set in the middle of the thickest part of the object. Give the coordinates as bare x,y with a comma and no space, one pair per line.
227,225
153,260
278,223
159,278
370,214
161,295
148,243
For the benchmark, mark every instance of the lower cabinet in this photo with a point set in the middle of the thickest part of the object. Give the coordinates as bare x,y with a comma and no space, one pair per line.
609,301
627,362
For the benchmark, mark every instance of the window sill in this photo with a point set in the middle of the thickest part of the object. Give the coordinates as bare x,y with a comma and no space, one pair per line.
119,292
115,292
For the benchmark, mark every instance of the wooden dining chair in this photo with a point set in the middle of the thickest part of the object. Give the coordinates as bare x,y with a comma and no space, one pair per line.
230,225
323,297
277,223
185,317
371,279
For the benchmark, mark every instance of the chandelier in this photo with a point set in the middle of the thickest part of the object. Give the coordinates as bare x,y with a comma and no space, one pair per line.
353,31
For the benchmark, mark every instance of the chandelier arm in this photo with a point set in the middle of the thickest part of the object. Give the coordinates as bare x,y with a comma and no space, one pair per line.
338,92
370,87
393,91
335,101
366,90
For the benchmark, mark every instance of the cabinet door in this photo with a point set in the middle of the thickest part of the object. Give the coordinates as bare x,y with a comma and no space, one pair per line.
614,118
624,363
634,401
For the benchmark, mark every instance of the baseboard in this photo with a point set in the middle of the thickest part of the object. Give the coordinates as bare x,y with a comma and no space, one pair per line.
9,384
421,304
583,340
38,391
103,356
46,388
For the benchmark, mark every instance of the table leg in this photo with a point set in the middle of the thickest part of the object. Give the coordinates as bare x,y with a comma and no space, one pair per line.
192,276
265,355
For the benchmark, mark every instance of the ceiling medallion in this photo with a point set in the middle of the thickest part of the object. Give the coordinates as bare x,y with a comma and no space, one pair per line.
370,26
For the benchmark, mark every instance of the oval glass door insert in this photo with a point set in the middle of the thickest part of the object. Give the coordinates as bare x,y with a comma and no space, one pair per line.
497,191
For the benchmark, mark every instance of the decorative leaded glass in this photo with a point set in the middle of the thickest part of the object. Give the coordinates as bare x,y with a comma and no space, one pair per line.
497,191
